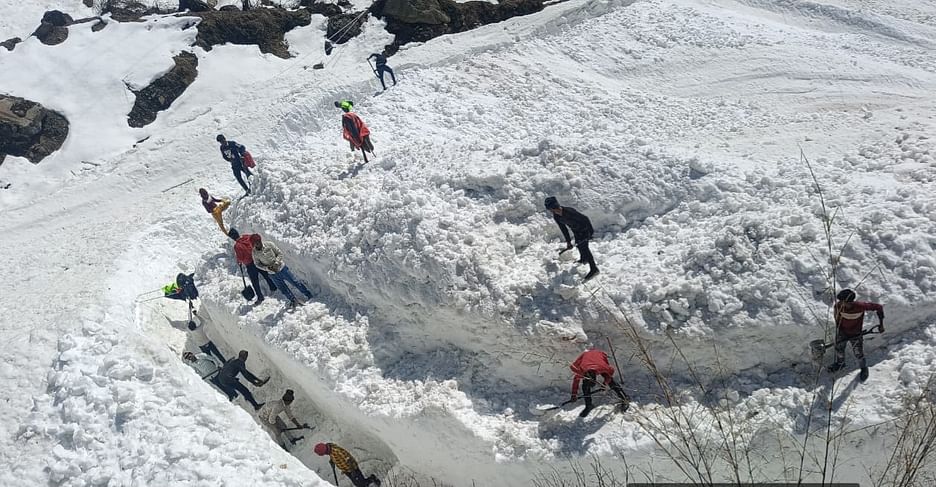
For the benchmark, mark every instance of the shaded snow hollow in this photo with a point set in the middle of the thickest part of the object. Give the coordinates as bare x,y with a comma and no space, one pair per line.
442,312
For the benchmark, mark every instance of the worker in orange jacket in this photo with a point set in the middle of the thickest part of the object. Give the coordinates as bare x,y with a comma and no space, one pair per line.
353,128
588,366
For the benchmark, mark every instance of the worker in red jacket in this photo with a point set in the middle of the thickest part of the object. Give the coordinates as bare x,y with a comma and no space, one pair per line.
849,323
589,365
353,128
243,252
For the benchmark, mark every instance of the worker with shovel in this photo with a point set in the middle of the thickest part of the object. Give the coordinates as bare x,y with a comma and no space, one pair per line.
269,414
849,322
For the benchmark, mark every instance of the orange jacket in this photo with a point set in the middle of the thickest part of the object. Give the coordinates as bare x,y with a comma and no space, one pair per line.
353,129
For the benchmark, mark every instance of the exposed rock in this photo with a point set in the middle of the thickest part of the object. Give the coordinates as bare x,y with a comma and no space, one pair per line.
416,11
127,10
100,25
339,25
229,8
197,5
159,95
56,18
317,7
264,27
29,130
10,43
423,25
51,34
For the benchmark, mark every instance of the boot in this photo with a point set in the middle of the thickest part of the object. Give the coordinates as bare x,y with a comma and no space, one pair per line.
593,273
836,366
585,411
863,376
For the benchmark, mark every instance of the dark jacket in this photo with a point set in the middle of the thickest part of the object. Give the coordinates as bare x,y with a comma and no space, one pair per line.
580,224
233,367
233,152
379,59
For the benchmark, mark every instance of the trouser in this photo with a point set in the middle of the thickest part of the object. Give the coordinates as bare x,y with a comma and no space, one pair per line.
381,69
239,168
857,343
284,276
591,380
585,255
254,273
232,386
212,349
276,430
357,478
217,213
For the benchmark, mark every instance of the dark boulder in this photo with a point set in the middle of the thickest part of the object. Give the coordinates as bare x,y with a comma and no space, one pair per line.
264,27
421,20
317,7
51,35
56,18
29,130
159,95
344,27
10,43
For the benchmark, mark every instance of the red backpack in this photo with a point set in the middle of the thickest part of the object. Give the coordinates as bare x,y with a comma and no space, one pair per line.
243,250
248,160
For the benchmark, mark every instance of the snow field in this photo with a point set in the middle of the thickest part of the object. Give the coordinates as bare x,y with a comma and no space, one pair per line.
442,312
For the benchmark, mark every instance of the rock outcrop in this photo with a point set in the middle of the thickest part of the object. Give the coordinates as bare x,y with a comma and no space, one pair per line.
53,29
159,95
27,129
264,27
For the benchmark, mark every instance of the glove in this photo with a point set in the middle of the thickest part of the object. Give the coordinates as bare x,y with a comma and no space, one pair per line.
306,425
263,382
569,245
881,328
574,398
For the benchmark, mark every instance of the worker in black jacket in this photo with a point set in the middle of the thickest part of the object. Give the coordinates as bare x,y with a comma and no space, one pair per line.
234,153
567,217
381,62
227,379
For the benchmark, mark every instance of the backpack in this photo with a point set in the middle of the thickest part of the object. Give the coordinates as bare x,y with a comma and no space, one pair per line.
187,283
248,160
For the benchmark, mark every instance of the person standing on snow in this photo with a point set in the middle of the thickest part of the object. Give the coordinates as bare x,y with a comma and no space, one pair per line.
268,257
567,217
849,321
243,252
215,206
269,414
588,366
227,379
339,457
235,153
353,128
381,61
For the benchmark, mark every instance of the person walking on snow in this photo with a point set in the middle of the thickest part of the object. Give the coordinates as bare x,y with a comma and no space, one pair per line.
269,414
243,252
381,61
268,257
227,379
588,366
353,128
849,321
215,206
567,217
339,457
235,154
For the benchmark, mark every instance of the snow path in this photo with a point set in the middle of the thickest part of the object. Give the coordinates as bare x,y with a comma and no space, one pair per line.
694,184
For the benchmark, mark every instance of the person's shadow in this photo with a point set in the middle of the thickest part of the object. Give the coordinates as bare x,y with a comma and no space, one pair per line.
352,172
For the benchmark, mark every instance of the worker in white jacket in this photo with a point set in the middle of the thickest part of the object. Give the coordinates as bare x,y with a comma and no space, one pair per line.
268,257
270,413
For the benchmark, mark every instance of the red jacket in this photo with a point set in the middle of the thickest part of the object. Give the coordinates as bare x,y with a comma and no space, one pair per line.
353,129
243,249
849,317
592,360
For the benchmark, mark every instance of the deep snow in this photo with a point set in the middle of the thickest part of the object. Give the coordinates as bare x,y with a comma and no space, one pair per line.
442,312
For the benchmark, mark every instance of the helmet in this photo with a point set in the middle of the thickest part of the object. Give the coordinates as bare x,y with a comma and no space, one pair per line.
846,295
220,138
551,203
321,449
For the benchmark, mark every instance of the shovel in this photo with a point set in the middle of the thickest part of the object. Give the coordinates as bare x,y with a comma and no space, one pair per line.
541,410
818,347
